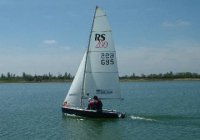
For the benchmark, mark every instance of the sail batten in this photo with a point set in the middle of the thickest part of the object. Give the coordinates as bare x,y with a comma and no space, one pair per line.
101,72
103,31
102,51
100,16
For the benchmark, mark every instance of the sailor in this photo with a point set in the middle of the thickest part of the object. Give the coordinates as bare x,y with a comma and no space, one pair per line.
95,104
65,104
90,104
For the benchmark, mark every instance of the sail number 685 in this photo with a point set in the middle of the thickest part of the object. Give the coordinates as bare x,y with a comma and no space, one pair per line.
107,58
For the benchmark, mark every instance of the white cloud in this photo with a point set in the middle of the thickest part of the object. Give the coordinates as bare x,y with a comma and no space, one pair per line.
177,23
49,42
53,44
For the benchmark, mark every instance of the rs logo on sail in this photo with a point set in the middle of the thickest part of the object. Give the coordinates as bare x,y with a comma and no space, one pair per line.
101,42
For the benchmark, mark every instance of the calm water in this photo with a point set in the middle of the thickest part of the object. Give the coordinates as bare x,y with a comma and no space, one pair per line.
168,110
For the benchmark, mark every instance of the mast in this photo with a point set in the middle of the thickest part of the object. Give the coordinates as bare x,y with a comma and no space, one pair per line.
87,51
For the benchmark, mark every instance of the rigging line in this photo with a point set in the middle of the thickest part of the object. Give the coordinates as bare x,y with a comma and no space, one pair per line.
87,54
100,51
101,72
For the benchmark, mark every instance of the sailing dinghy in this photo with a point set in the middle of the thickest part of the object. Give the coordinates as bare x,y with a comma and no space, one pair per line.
97,74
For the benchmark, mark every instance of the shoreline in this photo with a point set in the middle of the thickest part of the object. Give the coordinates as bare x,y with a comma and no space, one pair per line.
121,80
151,80
45,81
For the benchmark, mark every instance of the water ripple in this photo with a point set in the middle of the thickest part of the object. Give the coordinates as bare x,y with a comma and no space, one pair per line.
141,118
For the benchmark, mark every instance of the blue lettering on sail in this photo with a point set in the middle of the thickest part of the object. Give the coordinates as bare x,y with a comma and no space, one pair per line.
104,91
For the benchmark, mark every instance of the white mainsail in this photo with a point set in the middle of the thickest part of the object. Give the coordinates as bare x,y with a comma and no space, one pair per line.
101,72
98,72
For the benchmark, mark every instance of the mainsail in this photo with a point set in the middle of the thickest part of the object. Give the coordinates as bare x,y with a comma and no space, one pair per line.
98,72
101,72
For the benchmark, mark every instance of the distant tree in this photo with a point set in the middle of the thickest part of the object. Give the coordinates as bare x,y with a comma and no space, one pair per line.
68,76
8,75
3,76
143,76
50,76
23,75
133,76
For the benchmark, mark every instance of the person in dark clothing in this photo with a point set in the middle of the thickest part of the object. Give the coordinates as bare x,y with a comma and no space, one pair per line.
95,104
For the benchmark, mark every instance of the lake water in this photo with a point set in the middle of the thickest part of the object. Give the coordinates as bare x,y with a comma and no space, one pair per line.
166,110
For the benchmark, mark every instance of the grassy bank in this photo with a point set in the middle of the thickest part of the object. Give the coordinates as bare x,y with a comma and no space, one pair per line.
67,77
151,80
121,80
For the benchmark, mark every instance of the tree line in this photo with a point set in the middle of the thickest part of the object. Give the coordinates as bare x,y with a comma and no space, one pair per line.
24,77
10,77
165,76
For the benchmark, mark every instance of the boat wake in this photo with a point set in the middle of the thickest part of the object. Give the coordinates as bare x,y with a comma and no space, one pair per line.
65,115
164,118
141,118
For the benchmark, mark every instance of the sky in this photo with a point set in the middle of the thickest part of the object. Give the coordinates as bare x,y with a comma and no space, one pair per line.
151,36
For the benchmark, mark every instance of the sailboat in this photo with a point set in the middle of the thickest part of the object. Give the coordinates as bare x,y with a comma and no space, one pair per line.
97,74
